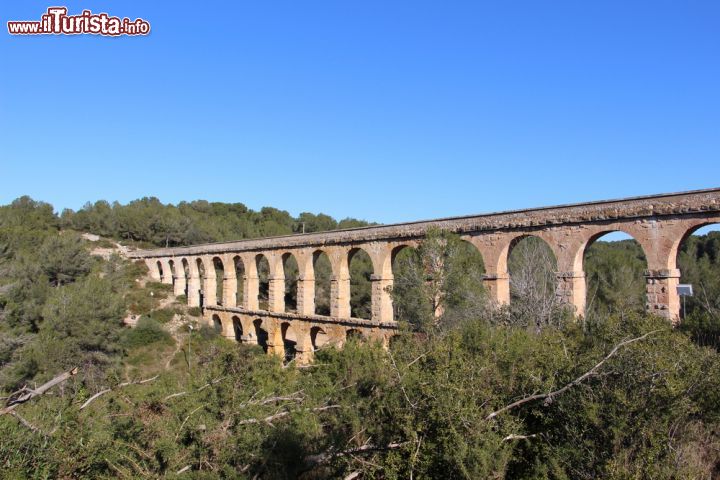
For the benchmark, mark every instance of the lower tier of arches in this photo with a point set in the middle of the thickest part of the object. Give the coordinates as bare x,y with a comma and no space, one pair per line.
291,335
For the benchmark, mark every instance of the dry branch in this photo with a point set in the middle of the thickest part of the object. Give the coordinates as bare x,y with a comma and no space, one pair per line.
548,397
121,385
26,394
312,461
518,437
276,416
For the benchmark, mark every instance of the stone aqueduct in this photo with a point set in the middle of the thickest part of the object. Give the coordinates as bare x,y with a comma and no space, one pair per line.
659,223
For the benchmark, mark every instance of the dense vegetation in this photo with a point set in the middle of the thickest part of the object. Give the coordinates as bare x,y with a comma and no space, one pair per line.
150,221
451,398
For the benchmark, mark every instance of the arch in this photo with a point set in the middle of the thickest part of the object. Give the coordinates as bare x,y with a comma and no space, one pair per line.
530,252
239,266
261,334
318,338
200,266
186,267
292,274
698,227
219,270
192,289
532,266
360,268
217,324
354,334
171,264
323,272
614,263
410,301
179,277
237,328
697,255
160,270
262,264
290,341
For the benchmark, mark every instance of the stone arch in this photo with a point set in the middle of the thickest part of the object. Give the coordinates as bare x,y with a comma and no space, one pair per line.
698,262
318,338
323,274
262,265
160,270
167,275
261,334
291,273
408,277
614,272
360,269
153,270
239,267
171,272
179,277
201,273
237,328
290,341
217,324
354,333
688,229
219,271
193,282
532,265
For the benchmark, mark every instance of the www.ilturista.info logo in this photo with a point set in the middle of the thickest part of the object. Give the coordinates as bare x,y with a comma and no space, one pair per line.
56,21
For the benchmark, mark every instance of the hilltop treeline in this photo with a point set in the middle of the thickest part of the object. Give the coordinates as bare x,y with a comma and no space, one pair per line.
149,220
464,391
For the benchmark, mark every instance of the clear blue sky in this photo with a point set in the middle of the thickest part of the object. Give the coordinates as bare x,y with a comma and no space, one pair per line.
386,111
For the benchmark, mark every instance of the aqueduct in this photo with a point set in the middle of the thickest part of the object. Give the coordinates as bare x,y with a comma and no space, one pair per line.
659,223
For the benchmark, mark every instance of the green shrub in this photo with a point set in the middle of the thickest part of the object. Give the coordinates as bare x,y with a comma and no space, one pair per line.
164,315
146,332
194,311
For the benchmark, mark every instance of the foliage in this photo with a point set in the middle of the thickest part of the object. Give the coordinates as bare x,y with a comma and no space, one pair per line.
146,332
438,284
424,408
148,220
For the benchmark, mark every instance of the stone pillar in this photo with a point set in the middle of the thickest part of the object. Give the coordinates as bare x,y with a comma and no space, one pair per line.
571,290
498,287
382,307
340,296
154,271
275,343
276,294
303,348
662,297
251,290
229,291
210,288
193,287
167,273
306,295
180,281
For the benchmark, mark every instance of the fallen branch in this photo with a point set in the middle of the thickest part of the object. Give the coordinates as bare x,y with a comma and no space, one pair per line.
279,415
518,437
121,385
26,423
26,394
548,397
200,389
312,461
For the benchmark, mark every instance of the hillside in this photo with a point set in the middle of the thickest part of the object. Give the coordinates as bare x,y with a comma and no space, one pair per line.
523,392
